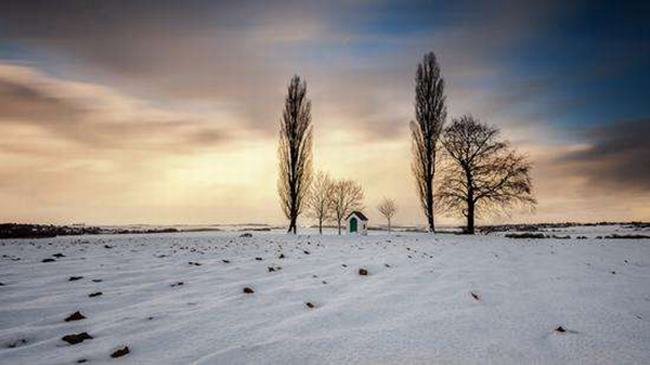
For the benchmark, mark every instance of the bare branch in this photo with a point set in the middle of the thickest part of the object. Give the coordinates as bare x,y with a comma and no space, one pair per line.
346,197
481,174
319,203
295,151
430,116
387,208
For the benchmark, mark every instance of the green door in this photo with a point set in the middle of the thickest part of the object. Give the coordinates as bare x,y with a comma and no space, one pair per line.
353,224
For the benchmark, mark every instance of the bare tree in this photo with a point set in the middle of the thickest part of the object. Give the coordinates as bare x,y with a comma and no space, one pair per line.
387,208
482,174
295,151
346,197
430,115
319,203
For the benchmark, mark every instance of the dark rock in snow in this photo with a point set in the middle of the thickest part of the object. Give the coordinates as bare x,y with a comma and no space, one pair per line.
281,256
226,261
306,252
107,246
245,235
97,280
363,272
271,269
560,329
177,284
76,316
58,255
248,290
75,278
77,338
48,260
96,294
474,295
120,352
310,305
81,361
258,259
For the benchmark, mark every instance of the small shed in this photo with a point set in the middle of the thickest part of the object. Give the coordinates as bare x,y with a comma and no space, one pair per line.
357,223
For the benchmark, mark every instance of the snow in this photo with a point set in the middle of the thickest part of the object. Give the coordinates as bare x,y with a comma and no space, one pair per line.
415,306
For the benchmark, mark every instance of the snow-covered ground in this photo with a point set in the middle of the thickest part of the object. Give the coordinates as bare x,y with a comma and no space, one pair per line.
416,305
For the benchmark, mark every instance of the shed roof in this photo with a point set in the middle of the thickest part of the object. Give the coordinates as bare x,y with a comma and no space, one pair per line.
358,214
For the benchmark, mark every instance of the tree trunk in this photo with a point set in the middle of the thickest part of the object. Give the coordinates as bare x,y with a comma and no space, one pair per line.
432,226
388,225
470,200
470,217
320,226
339,224
292,225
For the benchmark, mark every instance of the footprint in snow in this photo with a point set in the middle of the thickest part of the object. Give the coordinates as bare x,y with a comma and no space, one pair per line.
17,343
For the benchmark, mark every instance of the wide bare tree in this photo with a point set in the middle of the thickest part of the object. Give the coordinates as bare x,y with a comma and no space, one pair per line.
481,173
319,203
295,151
346,197
430,116
387,207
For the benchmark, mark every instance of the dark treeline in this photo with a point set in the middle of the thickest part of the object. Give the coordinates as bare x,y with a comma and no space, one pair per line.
534,227
17,230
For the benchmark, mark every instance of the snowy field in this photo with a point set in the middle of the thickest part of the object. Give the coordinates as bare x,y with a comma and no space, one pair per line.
442,299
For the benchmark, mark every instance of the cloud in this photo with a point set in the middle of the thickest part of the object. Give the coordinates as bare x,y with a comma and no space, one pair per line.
616,156
96,116
172,106
358,57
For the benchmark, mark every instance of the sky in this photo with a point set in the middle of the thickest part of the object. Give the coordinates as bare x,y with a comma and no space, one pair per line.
167,112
